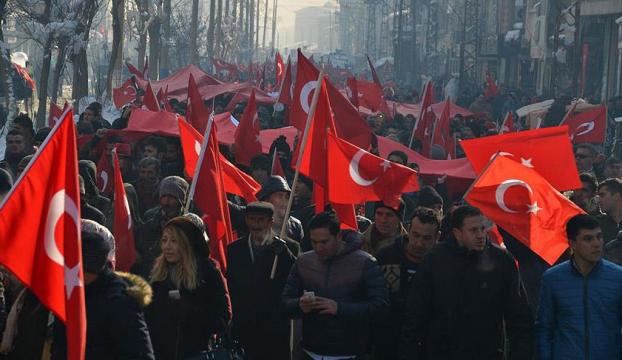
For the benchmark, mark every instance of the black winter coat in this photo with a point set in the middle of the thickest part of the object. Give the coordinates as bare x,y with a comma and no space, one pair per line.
458,302
353,279
116,328
183,327
259,323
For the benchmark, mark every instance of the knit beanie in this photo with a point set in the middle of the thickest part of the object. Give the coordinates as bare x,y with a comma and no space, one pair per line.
176,187
399,212
97,246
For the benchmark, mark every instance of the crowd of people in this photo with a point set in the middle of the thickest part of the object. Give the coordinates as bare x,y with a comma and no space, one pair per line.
419,281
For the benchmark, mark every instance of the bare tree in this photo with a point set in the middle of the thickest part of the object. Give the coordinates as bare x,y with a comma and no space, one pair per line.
118,18
165,62
6,80
211,28
219,19
194,25
155,40
85,12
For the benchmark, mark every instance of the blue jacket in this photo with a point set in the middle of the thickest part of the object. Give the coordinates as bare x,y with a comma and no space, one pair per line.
580,317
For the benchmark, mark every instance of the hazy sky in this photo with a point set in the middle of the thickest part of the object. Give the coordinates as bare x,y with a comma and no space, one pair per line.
286,15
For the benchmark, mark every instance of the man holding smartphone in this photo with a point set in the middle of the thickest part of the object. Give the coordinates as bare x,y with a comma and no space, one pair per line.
337,289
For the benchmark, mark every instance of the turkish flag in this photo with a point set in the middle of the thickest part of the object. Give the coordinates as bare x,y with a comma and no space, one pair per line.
247,138
524,204
196,112
40,227
442,132
547,150
306,80
277,169
383,107
508,124
134,71
56,113
589,126
357,176
236,181
314,162
353,91
149,99
287,88
209,194
104,180
163,99
125,94
425,122
279,70
125,251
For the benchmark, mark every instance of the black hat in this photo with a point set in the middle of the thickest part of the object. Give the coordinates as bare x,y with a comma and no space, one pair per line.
400,211
428,196
274,184
259,208
97,246
193,232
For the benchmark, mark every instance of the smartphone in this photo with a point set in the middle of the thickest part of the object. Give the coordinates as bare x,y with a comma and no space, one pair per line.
309,295
174,294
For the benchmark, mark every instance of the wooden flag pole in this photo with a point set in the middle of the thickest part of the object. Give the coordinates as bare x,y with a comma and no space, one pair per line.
305,135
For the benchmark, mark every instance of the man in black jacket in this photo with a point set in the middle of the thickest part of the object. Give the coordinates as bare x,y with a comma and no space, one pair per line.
116,327
257,268
399,263
463,293
337,289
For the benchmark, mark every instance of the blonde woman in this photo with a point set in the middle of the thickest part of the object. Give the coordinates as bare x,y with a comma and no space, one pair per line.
190,298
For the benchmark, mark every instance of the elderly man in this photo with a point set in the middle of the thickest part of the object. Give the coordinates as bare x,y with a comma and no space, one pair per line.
257,268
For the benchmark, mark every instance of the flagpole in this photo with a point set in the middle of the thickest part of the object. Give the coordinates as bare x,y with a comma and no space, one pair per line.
197,169
305,134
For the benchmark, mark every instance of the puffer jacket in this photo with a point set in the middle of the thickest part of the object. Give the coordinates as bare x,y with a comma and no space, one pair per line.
354,280
580,317
116,328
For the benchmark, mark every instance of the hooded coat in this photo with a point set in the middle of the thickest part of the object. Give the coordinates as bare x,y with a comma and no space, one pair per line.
116,328
354,280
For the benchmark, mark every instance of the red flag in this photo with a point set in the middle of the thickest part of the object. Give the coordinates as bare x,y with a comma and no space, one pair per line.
134,71
306,79
524,204
533,148
357,176
208,192
236,181
125,94
48,257
425,122
104,180
353,91
149,99
491,88
508,124
162,97
277,169
589,126
374,74
196,112
314,163
125,251
384,108
56,113
287,88
247,138
279,70
442,132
